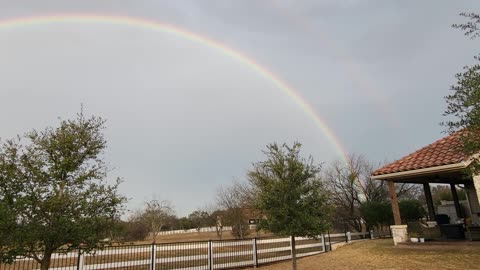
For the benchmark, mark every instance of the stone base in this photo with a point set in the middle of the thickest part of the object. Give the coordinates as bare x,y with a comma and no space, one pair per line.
399,234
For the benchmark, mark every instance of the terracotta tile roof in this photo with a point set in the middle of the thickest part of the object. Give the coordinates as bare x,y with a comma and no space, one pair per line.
442,152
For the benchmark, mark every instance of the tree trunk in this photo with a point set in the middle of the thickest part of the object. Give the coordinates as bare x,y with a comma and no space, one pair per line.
153,232
294,253
45,263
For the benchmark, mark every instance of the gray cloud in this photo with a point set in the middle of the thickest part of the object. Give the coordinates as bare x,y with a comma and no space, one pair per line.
184,118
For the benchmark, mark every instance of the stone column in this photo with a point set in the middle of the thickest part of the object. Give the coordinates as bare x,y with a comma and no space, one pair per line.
476,185
472,190
399,234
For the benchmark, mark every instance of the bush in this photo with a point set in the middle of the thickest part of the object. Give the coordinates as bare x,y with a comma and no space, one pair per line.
411,210
380,213
240,230
134,231
376,214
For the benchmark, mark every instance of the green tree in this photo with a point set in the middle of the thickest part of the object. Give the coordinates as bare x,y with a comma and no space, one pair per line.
53,191
289,194
132,230
185,223
411,210
377,214
463,105
200,218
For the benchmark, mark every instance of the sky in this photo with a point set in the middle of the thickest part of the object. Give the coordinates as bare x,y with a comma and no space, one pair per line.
184,118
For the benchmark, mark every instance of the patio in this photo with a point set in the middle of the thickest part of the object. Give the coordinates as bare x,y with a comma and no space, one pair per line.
441,162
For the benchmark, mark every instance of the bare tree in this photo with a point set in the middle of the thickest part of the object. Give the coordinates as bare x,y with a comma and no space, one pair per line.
345,182
215,217
219,226
156,215
350,184
233,201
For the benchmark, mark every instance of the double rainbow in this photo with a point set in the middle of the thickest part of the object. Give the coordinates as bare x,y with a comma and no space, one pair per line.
170,29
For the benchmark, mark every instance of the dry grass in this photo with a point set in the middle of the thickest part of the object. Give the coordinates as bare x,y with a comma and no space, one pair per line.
381,254
199,236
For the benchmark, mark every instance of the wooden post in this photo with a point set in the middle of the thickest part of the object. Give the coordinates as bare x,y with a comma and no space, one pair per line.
80,261
153,256
255,253
393,199
458,209
329,242
210,255
323,243
429,199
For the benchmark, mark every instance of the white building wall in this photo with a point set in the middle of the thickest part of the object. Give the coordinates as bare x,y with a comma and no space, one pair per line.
472,191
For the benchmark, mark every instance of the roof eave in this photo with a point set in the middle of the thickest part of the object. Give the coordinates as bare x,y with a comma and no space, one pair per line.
419,172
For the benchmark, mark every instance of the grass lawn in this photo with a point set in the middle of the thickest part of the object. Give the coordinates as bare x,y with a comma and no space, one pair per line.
381,254
198,236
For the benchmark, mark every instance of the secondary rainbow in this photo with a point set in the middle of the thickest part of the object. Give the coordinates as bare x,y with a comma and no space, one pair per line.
355,72
170,29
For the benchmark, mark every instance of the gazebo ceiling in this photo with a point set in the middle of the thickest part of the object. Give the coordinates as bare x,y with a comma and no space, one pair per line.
452,177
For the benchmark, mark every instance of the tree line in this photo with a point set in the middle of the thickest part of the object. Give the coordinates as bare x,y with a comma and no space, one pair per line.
53,194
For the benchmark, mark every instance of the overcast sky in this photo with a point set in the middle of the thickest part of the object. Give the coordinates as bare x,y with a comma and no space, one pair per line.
183,118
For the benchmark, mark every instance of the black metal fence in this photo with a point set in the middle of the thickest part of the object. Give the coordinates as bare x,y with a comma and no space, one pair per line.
59,261
201,255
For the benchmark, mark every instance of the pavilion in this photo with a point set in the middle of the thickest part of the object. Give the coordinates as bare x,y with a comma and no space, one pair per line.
441,162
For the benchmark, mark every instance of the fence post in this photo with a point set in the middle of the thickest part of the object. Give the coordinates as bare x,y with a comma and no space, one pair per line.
210,257
291,250
349,237
80,260
329,242
371,235
255,258
153,256
323,243
346,237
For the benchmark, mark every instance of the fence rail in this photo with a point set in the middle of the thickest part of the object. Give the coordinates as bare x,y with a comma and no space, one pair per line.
199,255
